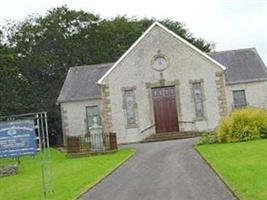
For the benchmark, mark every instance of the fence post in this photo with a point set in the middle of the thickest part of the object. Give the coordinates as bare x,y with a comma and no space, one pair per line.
73,144
113,141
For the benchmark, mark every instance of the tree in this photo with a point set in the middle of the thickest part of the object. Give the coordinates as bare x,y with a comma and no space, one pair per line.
13,85
42,48
46,48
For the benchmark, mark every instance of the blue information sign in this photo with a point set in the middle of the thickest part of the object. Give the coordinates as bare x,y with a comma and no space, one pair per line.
17,138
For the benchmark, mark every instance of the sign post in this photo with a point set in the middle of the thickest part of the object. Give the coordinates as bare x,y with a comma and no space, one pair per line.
17,138
42,130
22,135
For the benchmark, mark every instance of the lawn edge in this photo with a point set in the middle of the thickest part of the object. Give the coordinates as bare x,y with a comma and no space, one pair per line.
217,174
94,184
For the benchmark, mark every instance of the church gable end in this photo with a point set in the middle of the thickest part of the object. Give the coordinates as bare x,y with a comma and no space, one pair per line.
154,29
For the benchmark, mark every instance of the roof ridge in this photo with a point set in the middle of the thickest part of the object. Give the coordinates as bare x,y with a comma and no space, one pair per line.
93,65
215,52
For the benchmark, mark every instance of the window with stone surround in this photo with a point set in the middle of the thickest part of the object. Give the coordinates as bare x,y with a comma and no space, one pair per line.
93,117
129,105
198,99
239,98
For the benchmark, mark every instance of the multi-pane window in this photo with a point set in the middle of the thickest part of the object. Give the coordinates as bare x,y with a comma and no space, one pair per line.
93,118
198,99
239,97
129,105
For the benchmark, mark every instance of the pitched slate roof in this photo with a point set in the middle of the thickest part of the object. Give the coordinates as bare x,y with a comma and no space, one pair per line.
243,65
81,82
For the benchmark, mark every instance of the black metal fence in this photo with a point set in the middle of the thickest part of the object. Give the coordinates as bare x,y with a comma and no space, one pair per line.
92,143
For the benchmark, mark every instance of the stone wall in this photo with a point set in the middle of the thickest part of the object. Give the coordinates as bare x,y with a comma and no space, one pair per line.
64,118
256,94
106,115
184,64
74,120
222,102
8,170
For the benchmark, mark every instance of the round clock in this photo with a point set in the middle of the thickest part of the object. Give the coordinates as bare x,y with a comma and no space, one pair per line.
159,63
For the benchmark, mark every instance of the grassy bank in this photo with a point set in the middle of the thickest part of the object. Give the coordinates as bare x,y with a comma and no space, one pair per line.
242,165
70,176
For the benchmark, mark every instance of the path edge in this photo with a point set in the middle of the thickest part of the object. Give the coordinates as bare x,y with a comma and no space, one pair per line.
105,176
217,174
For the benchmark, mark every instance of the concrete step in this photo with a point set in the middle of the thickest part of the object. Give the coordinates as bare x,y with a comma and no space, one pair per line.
171,136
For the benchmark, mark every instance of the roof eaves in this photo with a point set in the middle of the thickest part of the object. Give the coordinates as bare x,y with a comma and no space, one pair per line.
192,46
245,81
143,35
231,50
126,53
77,99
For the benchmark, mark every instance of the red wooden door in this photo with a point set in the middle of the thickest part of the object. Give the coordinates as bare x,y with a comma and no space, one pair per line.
166,119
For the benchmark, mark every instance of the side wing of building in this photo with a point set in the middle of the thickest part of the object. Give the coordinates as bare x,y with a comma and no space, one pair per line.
246,78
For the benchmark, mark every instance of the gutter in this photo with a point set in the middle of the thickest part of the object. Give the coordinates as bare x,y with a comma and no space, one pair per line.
77,99
245,81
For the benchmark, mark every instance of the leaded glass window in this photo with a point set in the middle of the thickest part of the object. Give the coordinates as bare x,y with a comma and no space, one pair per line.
130,106
239,98
93,118
198,99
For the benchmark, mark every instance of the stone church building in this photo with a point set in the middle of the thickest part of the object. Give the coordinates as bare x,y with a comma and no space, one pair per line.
161,84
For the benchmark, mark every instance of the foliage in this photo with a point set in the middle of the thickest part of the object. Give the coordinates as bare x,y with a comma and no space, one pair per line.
242,125
242,165
207,138
70,176
43,48
13,85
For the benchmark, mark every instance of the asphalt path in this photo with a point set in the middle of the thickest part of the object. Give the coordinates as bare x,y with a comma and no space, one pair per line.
170,170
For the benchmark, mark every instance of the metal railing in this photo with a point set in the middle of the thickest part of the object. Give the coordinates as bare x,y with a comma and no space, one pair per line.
147,128
92,143
189,125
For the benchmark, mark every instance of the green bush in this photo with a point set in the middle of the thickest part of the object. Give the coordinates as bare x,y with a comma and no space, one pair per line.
242,125
207,138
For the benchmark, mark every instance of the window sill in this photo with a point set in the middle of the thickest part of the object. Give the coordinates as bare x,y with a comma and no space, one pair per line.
131,126
199,119
239,106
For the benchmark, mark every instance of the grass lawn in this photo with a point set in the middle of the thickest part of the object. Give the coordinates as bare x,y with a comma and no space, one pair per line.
70,176
242,165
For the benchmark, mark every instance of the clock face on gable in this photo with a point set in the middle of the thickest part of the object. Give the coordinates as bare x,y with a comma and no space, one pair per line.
159,63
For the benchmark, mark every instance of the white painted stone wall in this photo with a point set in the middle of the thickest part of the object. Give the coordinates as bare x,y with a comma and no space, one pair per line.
185,64
73,115
256,94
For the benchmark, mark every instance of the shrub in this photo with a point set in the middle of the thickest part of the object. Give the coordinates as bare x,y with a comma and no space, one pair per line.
242,125
207,138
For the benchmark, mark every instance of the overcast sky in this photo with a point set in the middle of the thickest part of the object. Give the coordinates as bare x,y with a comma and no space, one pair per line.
231,24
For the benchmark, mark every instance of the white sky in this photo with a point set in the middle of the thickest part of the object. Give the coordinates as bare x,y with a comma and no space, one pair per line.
231,24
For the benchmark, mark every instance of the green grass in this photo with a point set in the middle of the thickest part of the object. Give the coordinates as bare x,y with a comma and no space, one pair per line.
242,165
70,176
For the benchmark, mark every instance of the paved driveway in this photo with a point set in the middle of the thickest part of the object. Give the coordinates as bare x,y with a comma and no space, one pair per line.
170,170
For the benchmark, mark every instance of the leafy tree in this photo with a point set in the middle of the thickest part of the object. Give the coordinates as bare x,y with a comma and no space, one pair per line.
13,85
42,48
181,30
47,47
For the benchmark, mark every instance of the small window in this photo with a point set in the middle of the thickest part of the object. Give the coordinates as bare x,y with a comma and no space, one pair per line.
93,118
129,102
239,98
198,100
